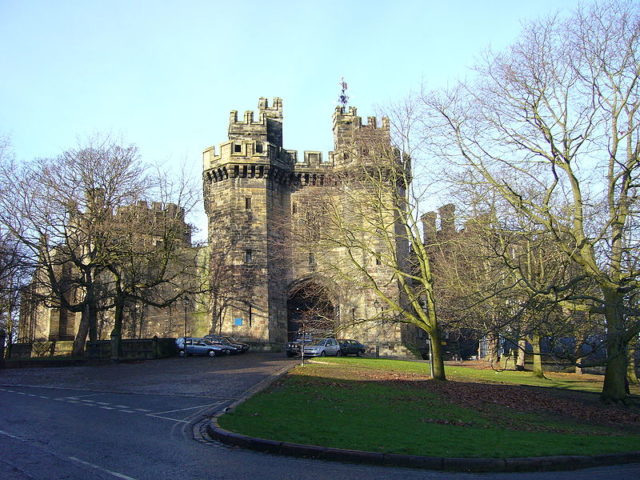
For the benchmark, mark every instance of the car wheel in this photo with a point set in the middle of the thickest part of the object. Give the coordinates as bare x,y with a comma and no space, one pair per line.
322,354
181,353
358,353
212,353
339,353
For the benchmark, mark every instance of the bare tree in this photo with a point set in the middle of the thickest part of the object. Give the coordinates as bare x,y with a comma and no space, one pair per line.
61,210
559,110
365,236
92,243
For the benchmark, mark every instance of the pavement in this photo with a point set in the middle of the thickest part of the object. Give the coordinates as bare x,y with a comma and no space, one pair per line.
481,465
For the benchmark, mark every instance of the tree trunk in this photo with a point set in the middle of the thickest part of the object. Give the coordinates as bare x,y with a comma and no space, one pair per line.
492,349
632,377
92,313
614,388
615,384
436,355
116,333
537,356
522,354
81,335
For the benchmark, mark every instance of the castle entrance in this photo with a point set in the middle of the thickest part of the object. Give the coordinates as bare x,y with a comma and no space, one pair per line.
310,312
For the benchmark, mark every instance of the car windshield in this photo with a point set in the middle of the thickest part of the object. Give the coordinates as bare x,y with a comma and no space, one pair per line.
317,343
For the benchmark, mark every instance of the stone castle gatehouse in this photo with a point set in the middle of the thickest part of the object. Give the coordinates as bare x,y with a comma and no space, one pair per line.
255,191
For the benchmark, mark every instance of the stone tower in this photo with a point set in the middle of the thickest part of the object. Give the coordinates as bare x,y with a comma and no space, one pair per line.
255,191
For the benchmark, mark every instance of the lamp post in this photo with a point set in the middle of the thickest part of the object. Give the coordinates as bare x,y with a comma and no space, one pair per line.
185,301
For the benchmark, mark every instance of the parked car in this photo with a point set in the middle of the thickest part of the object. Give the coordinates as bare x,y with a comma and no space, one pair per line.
351,347
197,346
239,346
294,347
243,346
320,348
227,347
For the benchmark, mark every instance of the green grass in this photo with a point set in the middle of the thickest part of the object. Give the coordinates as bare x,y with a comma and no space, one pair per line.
358,404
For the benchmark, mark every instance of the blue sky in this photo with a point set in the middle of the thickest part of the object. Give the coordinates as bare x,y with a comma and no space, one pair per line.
165,74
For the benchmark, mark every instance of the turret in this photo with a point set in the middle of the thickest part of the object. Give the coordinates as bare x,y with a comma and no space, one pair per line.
447,218
351,137
266,128
429,227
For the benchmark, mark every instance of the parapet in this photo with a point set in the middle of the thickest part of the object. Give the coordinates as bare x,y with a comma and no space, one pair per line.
349,129
267,128
142,209
447,218
274,110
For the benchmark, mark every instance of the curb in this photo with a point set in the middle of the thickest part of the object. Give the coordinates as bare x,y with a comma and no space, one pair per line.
521,464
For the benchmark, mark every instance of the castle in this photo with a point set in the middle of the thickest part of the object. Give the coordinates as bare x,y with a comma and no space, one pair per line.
269,274
257,195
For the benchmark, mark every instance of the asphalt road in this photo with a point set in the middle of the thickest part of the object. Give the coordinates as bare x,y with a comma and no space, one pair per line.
146,421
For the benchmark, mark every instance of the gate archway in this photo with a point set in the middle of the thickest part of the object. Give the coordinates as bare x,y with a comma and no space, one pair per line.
310,311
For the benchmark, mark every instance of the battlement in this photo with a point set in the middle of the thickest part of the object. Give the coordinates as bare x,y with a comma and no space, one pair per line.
267,128
256,140
247,151
348,129
156,210
273,110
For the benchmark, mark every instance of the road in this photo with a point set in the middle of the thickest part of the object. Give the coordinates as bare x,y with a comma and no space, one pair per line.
145,421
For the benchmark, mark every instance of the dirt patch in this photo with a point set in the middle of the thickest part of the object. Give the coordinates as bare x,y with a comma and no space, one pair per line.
575,405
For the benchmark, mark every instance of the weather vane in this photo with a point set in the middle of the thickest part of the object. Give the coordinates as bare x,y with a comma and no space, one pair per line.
343,98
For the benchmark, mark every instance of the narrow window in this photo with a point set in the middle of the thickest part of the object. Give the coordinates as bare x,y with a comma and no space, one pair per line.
378,261
248,256
237,148
312,259
294,208
258,147
247,203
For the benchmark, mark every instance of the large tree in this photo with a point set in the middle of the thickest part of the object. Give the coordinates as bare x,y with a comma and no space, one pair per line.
363,234
559,111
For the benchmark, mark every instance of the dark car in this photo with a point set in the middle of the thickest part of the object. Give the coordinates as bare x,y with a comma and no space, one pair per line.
226,347
243,347
352,347
294,348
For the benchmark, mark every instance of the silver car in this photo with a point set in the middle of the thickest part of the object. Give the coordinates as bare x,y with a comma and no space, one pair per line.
320,348
197,346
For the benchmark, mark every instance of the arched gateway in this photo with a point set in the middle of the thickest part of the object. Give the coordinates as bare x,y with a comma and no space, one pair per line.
310,310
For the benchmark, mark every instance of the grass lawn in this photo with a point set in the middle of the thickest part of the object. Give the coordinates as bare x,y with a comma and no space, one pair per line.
391,406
